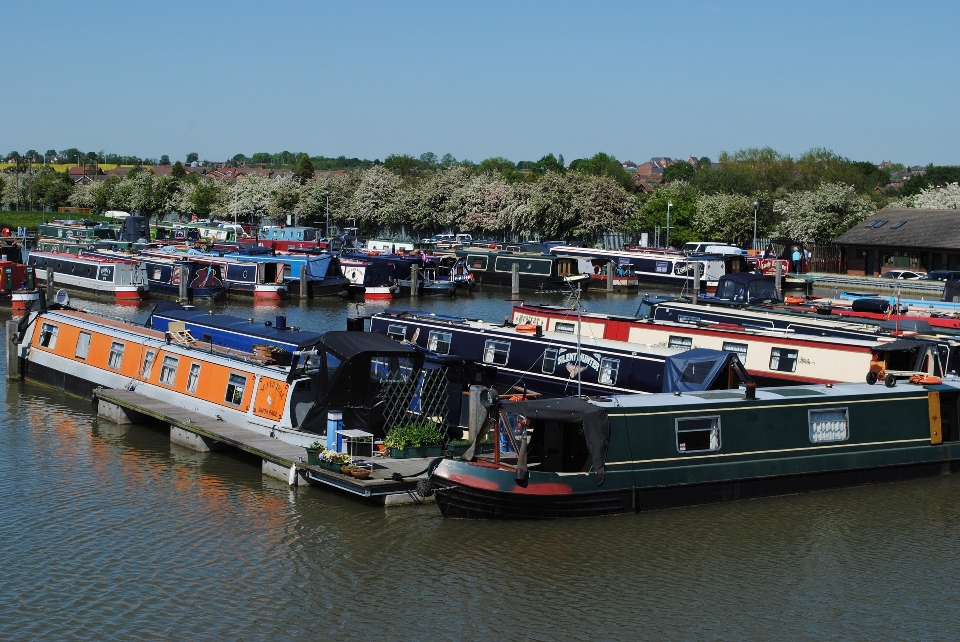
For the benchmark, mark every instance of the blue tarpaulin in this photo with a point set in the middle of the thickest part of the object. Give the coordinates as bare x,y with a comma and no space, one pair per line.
695,369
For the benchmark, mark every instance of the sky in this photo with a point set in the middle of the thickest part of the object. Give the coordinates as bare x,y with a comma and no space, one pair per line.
869,80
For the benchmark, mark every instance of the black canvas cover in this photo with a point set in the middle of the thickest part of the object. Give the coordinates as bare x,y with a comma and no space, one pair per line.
346,344
596,425
901,345
951,292
745,287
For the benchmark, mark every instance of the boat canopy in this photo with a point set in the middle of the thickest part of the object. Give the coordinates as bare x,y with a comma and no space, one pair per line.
695,370
570,410
745,287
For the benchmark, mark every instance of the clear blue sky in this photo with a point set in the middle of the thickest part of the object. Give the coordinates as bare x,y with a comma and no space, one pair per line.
870,80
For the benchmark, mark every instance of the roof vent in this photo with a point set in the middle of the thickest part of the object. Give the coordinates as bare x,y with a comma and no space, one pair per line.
898,225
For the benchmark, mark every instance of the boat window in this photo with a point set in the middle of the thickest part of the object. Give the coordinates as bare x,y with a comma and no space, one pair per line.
168,371
609,369
115,360
397,331
783,359
828,424
680,343
549,360
663,267
739,349
193,378
48,335
83,345
156,274
566,328
496,352
147,364
698,434
478,262
439,342
235,388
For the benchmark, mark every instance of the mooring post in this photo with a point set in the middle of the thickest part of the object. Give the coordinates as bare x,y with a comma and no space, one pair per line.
414,280
515,279
51,277
304,283
12,350
184,281
610,276
778,279
696,282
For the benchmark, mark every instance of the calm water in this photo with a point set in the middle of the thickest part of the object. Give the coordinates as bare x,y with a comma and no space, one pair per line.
112,532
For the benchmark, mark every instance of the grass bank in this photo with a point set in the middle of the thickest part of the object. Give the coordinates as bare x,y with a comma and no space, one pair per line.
32,220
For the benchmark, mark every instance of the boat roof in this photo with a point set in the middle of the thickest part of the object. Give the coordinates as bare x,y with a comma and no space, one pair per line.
802,394
227,323
67,256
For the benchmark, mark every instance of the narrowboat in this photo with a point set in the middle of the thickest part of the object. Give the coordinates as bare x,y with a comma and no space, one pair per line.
18,285
122,278
285,239
239,277
770,357
578,458
660,267
560,364
371,381
537,271
164,276
321,269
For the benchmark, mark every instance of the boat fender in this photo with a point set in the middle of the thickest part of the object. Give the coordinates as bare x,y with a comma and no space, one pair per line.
95,403
927,380
292,477
526,328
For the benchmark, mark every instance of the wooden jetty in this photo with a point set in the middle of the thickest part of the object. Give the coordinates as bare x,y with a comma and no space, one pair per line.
280,459
874,284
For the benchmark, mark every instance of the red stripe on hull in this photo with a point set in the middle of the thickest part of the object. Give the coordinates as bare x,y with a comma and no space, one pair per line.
128,294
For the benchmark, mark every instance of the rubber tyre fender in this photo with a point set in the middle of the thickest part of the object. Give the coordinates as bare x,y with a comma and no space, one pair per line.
872,377
889,381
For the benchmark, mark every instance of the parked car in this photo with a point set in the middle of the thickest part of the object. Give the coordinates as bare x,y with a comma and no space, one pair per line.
941,275
903,274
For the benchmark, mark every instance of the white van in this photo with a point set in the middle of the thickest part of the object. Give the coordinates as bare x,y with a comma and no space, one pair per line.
711,247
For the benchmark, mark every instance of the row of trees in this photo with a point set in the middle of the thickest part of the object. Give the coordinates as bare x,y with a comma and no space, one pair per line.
812,198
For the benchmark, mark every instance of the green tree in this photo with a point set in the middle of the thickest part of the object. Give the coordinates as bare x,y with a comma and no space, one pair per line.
402,165
503,166
261,158
604,165
428,160
679,171
682,198
50,154
304,171
933,176
177,171
192,157
448,160
724,181
548,163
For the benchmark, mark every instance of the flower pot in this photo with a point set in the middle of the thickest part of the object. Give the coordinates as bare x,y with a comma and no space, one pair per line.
262,350
283,359
410,452
361,473
312,456
326,465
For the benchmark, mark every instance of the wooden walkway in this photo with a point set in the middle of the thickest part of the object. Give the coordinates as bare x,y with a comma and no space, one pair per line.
381,483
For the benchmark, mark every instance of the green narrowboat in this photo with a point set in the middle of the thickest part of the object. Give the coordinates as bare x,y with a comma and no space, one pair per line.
538,271
576,458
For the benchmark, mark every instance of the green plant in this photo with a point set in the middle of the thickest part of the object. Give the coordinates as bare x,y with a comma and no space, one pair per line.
460,442
414,435
317,446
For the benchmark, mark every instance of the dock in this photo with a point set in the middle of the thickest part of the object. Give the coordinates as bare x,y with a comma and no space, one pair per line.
280,460
874,284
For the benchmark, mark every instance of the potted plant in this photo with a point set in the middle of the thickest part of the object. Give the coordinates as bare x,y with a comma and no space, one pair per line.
313,452
281,355
414,439
457,447
263,350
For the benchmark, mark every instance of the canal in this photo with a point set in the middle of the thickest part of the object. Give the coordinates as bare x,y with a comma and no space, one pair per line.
111,531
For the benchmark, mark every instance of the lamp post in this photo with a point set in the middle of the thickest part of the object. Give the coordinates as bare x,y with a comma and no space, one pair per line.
327,233
756,204
669,205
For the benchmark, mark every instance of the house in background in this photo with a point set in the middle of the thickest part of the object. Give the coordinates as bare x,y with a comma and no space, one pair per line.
902,238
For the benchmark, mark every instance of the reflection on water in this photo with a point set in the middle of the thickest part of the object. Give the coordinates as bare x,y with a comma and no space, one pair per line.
112,531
